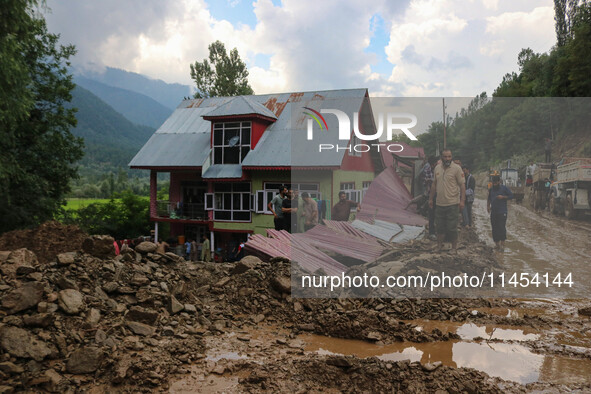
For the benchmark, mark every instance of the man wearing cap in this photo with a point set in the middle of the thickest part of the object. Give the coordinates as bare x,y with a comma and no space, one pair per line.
496,205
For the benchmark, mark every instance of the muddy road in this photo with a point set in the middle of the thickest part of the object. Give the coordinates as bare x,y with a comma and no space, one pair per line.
542,242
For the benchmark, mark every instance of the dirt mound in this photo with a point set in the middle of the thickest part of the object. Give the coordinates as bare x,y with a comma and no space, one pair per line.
47,241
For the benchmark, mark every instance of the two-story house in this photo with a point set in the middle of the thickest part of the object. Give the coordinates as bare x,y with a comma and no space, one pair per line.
227,157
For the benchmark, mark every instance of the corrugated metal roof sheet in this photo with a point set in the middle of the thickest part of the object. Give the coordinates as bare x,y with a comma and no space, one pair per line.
242,105
284,142
224,171
173,150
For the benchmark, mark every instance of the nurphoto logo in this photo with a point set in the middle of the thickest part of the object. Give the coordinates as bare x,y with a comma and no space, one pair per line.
393,122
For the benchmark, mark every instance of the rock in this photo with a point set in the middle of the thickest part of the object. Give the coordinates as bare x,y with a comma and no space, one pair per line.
11,368
65,283
146,247
25,270
140,328
84,360
35,276
22,257
70,301
430,367
373,336
6,389
99,246
54,377
20,343
167,331
340,362
93,317
223,282
219,369
100,336
25,297
39,320
174,306
190,308
66,258
139,280
142,315
110,287
585,311
281,284
251,261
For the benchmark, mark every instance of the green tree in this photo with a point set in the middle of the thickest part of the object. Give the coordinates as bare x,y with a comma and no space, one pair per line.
222,75
38,149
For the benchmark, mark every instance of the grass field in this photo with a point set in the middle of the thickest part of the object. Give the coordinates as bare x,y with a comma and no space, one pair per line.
77,203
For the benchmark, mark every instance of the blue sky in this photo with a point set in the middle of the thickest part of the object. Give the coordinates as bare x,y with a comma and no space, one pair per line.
394,48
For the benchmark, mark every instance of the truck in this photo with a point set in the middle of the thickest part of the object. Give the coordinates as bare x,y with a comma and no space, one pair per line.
537,191
570,193
510,178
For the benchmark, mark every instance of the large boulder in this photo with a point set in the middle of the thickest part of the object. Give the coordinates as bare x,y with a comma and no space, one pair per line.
16,259
99,246
24,297
146,247
20,343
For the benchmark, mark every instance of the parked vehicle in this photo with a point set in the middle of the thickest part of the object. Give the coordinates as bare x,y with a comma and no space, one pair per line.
571,192
538,192
510,178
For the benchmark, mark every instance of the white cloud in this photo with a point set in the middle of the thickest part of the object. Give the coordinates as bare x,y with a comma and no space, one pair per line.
437,47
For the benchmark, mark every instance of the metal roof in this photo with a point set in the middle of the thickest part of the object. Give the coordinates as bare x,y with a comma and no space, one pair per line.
242,105
223,171
184,138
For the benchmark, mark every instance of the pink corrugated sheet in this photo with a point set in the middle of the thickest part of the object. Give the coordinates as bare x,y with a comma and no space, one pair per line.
386,199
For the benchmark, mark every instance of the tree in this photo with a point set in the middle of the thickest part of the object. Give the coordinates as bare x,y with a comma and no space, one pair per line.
222,75
38,149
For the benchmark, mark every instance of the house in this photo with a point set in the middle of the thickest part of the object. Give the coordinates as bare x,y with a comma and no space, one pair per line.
227,157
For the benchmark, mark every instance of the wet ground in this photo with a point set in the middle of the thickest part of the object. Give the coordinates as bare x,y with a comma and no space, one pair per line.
540,242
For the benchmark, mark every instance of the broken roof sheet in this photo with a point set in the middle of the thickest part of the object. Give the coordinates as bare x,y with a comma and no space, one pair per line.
386,199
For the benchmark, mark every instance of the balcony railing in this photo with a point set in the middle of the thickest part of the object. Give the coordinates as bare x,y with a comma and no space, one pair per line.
175,210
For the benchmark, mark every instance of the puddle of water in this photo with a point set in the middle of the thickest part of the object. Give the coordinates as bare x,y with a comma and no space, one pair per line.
469,331
227,356
507,361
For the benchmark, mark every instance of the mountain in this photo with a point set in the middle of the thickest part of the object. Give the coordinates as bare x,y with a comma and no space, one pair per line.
111,140
169,95
136,107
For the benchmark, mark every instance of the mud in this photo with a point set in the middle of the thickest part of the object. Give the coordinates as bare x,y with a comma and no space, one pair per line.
146,322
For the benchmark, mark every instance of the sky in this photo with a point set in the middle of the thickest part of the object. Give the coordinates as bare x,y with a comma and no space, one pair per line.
395,48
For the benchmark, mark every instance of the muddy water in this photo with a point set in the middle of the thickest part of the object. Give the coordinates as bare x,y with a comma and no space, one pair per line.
542,242
509,361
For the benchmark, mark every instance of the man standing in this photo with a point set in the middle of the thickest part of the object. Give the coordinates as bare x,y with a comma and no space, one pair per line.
548,149
290,209
275,207
470,189
497,207
342,209
310,215
450,186
205,249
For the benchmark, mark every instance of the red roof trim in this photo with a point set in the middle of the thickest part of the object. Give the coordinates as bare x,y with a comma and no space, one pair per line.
285,168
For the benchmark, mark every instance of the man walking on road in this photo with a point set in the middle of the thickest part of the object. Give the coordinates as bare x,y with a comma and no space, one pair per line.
497,207
450,185
205,249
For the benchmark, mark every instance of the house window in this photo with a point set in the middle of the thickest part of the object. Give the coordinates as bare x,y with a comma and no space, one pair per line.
350,192
231,202
231,142
355,141
264,197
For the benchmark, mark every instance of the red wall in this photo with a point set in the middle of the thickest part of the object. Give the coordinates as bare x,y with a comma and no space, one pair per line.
358,163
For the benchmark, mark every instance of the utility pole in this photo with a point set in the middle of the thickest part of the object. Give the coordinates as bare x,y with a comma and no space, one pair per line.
444,128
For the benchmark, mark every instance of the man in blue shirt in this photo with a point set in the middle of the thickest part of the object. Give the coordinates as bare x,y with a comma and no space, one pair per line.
497,207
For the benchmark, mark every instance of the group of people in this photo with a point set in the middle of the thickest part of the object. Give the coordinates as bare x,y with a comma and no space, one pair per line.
451,188
297,213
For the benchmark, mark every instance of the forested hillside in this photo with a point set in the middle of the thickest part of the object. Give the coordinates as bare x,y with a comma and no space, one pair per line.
137,107
547,98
